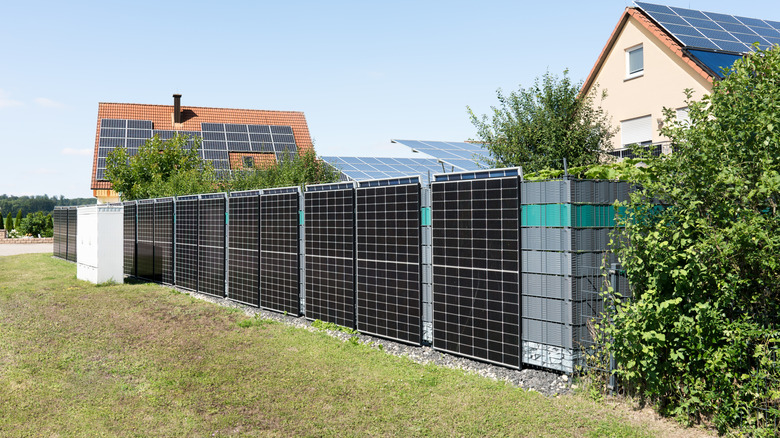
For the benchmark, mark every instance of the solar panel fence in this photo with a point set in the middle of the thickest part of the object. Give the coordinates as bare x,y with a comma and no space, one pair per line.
129,238
279,250
60,222
211,244
187,239
243,247
70,252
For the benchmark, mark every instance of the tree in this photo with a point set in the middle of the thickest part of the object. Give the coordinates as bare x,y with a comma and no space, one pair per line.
293,170
701,334
18,219
35,225
9,223
540,126
161,168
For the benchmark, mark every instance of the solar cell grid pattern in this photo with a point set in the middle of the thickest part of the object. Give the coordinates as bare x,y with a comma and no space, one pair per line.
330,273
128,226
462,156
163,240
187,243
710,30
218,140
388,262
145,248
476,294
279,242
211,247
244,254
366,168
71,238
60,221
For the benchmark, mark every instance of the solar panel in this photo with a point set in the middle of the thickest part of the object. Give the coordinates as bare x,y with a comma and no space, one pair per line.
330,238
187,242
279,243
243,247
388,283
163,240
460,155
365,168
211,244
60,221
233,137
145,242
71,239
713,31
476,295
129,228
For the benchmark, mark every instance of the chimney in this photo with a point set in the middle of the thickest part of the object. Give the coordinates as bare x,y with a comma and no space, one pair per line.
177,108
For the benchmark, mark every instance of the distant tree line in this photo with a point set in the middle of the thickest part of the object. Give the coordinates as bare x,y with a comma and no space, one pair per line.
34,204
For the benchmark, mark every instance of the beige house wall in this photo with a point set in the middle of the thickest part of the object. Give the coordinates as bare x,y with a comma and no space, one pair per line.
661,85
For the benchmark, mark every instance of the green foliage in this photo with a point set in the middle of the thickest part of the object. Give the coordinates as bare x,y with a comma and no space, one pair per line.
293,170
633,169
701,335
322,325
160,168
255,321
18,220
44,203
36,224
9,222
539,126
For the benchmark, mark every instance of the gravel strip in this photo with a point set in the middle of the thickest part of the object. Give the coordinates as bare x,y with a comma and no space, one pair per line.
548,383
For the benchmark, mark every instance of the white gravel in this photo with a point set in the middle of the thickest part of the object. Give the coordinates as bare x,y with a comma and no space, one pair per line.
9,249
545,382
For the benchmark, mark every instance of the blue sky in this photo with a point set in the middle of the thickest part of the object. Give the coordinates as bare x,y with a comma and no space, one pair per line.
362,72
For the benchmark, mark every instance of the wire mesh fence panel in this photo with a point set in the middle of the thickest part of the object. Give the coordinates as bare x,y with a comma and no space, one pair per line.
71,237
388,262
187,242
330,256
280,265
163,240
145,240
476,278
211,246
243,248
129,229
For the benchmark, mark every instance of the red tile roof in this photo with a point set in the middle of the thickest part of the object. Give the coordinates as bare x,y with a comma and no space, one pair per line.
192,116
663,37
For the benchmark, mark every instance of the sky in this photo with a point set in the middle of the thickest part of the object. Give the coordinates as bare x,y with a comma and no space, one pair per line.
362,72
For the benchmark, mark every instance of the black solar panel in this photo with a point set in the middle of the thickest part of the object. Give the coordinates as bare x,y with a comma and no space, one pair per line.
476,295
163,240
279,243
187,242
71,239
145,240
211,246
243,242
129,227
330,279
60,220
388,262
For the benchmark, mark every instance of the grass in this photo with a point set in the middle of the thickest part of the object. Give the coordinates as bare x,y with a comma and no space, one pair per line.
143,360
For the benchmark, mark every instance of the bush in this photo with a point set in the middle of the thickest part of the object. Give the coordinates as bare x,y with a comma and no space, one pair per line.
701,335
35,225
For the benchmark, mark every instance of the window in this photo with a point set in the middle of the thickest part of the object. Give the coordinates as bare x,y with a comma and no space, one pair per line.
635,62
682,115
636,131
249,162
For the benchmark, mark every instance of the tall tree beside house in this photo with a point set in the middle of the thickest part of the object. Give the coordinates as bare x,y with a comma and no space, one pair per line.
538,127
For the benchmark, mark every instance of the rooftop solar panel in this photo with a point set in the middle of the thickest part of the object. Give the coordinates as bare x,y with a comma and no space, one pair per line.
713,31
365,168
462,155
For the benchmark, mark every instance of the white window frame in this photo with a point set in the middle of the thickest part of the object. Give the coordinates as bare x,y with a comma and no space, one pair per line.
640,72
638,130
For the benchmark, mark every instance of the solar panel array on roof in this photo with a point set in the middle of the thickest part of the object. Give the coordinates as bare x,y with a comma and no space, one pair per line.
365,168
459,155
713,31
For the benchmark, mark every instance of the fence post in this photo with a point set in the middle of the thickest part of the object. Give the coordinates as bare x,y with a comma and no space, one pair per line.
613,278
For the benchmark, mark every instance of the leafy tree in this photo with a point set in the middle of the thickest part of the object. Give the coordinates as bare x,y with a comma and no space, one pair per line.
18,220
161,168
9,222
36,224
702,333
294,170
539,126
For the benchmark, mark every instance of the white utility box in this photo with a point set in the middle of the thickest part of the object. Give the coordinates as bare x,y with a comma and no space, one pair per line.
99,247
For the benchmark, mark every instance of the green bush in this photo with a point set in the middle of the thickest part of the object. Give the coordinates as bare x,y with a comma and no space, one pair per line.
9,222
701,335
35,225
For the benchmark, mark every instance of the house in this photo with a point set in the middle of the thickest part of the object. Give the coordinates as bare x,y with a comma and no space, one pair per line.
231,138
655,53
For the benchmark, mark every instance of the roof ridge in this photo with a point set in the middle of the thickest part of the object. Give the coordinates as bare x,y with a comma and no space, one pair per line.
201,107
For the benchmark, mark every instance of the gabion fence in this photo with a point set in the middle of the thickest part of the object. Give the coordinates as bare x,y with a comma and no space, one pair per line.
479,264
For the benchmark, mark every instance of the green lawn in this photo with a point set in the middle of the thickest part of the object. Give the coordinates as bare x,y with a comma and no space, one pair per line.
143,360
